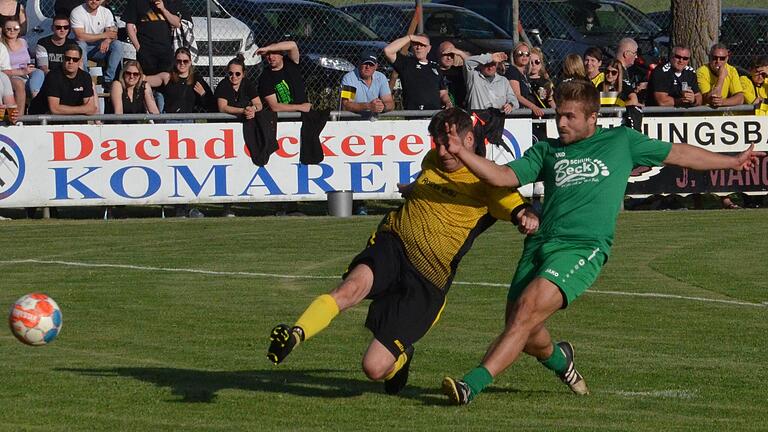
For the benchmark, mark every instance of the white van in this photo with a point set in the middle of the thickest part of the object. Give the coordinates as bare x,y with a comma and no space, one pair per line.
229,35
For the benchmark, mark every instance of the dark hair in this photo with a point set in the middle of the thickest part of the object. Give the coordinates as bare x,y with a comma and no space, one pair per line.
192,77
60,17
452,116
759,62
579,90
595,52
73,46
238,60
619,66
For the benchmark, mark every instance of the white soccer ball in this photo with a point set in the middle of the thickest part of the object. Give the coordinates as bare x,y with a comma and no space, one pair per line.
35,319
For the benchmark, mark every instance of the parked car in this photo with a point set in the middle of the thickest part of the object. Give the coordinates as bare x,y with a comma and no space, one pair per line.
561,27
229,35
468,30
743,30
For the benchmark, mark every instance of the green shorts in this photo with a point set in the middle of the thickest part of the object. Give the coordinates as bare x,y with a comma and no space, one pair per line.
572,266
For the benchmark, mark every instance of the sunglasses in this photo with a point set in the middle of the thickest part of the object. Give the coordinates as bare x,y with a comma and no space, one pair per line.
679,57
536,62
71,59
17,28
522,54
131,74
183,61
61,27
718,58
611,72
449,55
489,65
233,73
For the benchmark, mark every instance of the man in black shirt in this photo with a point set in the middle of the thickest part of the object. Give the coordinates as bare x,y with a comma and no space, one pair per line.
149,24
423,86
453,74
675,83
49,52
281,85
68,90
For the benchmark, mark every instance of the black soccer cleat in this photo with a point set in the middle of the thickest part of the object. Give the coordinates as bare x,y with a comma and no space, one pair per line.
397,383
458,391
571,377
283,340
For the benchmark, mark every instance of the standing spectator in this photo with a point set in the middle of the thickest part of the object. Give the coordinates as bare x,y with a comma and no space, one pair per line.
131,94
149,24
184,90
636,75
573,67
423,86
49,52
485,87
755,87
517,74
95,30
68,90
616,90
281,85
593,61
64,7
13,9
542,88
453,74
718,81
366,90
675,83
21,63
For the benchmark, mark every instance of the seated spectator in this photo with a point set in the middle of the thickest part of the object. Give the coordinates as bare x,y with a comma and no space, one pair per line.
755,87
68,90
542,88
149,24
237,95
131,94
366,90
517,74
184,90
13,9
49,52
593,61
635,72
675,83
485,87
281,85
718,81
96,32
573,67
616,90
423,86
452,70
21,63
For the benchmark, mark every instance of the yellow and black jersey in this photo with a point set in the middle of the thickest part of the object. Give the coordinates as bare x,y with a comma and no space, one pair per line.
442,216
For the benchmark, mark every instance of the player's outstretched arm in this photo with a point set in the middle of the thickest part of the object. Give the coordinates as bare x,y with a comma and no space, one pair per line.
688,156
527,221
485,170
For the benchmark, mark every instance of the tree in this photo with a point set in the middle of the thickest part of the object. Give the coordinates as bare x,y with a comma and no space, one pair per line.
696,23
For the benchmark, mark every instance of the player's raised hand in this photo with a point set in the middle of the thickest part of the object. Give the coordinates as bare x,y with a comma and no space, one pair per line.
527,221
454,143
748,158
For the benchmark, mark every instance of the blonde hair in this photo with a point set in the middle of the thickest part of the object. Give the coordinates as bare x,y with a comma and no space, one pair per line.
543,71
573,67
126,65
192,77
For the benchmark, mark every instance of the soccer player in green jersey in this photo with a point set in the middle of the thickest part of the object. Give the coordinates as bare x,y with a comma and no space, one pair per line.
409,263
585,175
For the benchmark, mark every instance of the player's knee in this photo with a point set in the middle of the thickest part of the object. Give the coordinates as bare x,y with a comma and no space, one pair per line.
376,369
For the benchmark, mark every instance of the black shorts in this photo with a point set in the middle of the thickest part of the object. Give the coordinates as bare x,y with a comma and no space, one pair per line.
404,304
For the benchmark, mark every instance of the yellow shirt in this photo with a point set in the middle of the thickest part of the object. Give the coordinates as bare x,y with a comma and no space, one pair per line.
443,215
751,93
707,79
599,78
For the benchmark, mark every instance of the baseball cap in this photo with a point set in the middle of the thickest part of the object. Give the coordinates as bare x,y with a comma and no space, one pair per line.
369,58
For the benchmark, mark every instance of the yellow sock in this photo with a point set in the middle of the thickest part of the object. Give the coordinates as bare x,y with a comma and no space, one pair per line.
399,363
318,315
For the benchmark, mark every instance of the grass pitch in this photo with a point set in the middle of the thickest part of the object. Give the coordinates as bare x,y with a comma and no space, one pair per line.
673,335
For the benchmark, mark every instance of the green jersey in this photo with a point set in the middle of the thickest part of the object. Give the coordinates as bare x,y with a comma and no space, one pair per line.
585,181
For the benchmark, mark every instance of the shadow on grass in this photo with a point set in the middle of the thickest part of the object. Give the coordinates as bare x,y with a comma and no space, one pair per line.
199,386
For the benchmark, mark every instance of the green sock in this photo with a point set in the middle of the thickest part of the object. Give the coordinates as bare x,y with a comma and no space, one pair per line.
477,379
556,362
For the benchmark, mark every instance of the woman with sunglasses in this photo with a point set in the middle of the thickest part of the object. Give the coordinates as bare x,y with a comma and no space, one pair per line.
13,9
542,88
20,61
517,74
130,94
237,95
184,90
615,90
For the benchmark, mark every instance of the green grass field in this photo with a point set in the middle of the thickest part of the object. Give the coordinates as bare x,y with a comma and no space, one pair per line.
671,338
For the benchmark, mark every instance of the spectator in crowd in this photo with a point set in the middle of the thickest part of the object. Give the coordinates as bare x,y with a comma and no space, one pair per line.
68,90
366,90
718,81
49,52
423,86
485,87
237,95
542,88
754,85
184,90
573,67
21,63
13,9
281,85
635,75
149,24
64,7
517,74
131,94
593,61
452,69
675,83
95,30
616,90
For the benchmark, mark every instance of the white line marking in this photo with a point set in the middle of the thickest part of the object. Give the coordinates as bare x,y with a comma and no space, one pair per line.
285,276
680,394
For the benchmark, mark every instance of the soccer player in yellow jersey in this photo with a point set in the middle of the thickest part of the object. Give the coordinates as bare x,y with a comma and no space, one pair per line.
409,263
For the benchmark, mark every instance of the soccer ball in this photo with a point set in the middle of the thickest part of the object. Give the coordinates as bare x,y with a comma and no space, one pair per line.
35,319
